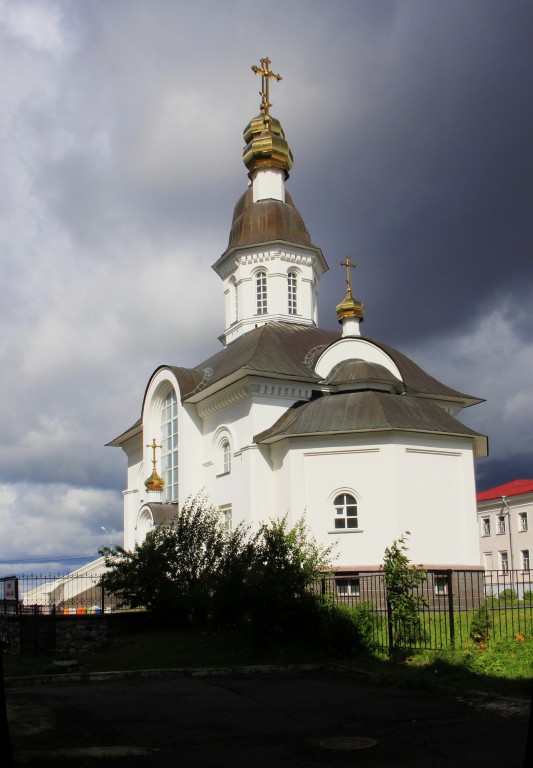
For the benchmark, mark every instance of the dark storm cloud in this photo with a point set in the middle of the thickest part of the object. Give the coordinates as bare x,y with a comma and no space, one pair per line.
122,125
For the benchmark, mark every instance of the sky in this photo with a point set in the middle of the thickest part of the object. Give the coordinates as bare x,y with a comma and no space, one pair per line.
121,122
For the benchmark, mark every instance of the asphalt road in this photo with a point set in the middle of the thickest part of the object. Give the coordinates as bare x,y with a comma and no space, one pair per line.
259,722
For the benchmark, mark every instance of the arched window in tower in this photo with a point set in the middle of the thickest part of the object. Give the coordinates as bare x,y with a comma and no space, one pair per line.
169,442
345,507
234,300
261,293
291,288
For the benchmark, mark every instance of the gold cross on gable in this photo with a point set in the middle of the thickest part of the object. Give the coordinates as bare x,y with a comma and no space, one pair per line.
266,74
348,264
154,447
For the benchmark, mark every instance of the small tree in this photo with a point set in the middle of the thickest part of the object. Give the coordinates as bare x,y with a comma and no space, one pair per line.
285,563
401,579
174,572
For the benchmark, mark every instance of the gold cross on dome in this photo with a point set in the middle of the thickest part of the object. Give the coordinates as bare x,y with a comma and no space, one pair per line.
266,74
348,264
154,447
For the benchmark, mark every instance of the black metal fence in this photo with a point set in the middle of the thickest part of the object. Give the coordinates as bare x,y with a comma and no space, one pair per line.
65,593
448,601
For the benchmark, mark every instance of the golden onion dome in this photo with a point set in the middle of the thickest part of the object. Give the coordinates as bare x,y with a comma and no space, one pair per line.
154,482
266,145
349,307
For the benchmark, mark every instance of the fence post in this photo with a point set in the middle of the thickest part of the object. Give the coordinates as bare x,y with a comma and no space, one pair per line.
389,628
449,575
103,599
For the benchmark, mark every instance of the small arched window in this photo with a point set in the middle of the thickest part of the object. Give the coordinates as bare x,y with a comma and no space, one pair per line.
169,450
292,294
345,507
261,293
225,456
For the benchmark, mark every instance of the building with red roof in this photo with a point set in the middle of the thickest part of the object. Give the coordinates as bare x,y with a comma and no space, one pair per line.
505,521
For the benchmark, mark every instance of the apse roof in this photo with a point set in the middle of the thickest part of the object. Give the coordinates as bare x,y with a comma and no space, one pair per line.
363,412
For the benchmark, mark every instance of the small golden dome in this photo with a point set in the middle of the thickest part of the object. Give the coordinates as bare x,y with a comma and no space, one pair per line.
350,307
154,482
266,146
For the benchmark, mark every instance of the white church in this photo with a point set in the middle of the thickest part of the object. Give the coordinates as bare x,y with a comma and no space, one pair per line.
291,419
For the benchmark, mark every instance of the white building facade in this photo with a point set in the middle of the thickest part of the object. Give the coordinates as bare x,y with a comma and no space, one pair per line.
290,419
505,524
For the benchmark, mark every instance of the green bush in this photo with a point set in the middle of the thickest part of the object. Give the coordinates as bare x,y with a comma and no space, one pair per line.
528,597
481,625
401,581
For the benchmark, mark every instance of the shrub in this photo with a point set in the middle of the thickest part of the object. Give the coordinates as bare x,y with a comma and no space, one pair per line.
481,625
528,597
401,579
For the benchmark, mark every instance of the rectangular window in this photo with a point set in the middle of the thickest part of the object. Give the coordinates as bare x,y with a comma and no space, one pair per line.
501,523
522,521
504,562
441,584
291,284
347,587
225,510
485,526
524,556
487,561
261,293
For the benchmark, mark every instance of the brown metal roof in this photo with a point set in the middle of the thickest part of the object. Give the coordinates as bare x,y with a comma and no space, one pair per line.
283,349
163,513
267,220
365,411
291,350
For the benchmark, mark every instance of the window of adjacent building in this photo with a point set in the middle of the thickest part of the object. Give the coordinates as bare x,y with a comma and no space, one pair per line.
291,287
345,511
441,584
261,293
485,526
501,523
348,587
504,562
169,443
225,510
522,521
524,557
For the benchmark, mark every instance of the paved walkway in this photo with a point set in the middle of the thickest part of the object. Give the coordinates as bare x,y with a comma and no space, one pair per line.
260,722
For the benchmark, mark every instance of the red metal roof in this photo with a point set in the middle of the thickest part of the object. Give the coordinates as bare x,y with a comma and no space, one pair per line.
514,488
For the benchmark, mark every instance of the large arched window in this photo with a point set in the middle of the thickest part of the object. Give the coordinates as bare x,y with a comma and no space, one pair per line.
169,442
345,507
261,293
292,293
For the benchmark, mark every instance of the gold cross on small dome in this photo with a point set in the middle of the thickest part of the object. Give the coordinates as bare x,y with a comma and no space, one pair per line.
266,74
348,264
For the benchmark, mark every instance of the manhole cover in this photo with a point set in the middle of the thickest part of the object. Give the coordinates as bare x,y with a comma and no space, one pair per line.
348,742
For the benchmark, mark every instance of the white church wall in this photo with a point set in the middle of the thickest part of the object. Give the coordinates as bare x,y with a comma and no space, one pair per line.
352,349
436,493
395,481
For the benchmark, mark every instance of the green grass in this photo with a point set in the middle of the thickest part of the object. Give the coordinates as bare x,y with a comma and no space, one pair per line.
503,667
